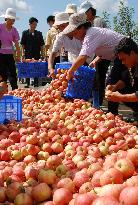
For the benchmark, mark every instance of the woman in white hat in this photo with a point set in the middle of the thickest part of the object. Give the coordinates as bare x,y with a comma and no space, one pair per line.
9,37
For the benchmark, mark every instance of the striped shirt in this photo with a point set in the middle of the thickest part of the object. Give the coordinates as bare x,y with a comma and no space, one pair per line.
100,41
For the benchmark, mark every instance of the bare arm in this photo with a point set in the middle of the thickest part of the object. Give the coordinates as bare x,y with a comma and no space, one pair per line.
51,63
118,86
22,52
43,51
46,50
95,61
18,52
118,97
79,62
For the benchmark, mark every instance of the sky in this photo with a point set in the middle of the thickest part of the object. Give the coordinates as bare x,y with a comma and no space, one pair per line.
41,9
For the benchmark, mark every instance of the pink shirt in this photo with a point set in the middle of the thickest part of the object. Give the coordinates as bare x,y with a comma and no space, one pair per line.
100,41
7,39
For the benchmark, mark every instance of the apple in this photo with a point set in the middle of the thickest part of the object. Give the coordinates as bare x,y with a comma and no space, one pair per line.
47,176
126,167
61,170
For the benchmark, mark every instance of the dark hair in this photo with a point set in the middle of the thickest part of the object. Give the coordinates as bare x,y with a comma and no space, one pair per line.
33,19
50,18
93,11
126,45
86,25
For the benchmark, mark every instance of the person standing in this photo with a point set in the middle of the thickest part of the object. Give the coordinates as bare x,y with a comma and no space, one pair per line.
50,39
9,36
102,66
32,45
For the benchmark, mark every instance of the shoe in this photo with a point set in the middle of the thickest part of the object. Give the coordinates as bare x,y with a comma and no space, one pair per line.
131,119
36,86
26,86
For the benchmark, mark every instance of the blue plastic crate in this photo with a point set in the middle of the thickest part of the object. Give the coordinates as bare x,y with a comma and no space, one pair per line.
10,109
81,85
32,70
63,65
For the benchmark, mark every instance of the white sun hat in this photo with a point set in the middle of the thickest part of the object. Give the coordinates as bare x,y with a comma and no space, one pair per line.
71,8
10,14
61,18
75,20
85,6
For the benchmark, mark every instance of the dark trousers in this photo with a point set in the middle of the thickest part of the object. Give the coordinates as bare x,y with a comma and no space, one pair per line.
57,60
114,76
35,81
113,107
8,69
101,70
100,77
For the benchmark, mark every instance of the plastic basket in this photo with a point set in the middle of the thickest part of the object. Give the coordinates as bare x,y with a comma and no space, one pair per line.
81,86
10,109
63,65
32,70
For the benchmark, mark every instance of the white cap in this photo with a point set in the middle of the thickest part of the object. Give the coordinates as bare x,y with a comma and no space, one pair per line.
85,6
10,14
75,20
71,8
61,18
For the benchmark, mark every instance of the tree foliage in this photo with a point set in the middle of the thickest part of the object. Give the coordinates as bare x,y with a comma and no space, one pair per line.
124,23
106,17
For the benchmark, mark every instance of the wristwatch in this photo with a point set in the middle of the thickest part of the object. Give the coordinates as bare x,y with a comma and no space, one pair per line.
136,93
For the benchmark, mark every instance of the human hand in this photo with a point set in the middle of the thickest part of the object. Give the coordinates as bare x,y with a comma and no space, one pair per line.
113,96
52,73
111,88
69,75
18,59
93,64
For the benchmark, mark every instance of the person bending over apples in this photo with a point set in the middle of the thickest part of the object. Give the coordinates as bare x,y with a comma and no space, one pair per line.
127,51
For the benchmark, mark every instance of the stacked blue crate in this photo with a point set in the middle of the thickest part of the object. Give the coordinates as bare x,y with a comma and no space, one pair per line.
32,70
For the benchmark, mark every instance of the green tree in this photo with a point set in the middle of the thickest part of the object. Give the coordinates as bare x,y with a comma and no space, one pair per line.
106,17
124,23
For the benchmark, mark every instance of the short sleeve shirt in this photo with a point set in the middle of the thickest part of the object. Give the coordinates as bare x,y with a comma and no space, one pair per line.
50,38
7,39
73,46
100,41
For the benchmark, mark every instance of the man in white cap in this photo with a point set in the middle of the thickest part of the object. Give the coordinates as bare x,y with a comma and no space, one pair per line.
72,45
8,36
71,9
102,67
87,8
